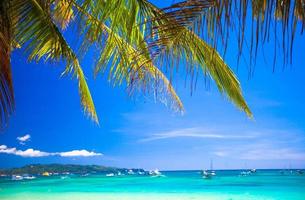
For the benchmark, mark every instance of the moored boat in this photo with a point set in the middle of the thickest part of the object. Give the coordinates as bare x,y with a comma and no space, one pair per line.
17,178
110,174
208,174
29,177
155,173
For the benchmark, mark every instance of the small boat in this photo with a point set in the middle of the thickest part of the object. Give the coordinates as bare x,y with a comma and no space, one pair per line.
17,178
46,174
208,174
253,170
141,173
29,177
155,173
110,174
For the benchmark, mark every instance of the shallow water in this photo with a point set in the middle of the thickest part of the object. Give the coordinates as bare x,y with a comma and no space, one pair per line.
227,185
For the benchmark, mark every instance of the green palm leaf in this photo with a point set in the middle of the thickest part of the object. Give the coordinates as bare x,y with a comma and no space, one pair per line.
172,39
39,35
133,38
6,83
123,56
63,12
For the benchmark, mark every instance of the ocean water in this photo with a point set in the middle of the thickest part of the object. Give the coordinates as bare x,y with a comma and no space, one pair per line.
178,185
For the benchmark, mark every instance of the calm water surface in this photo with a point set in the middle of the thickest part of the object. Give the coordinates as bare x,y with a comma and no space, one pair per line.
227,185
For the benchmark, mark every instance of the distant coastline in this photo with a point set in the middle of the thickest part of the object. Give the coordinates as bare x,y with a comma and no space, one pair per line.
61,169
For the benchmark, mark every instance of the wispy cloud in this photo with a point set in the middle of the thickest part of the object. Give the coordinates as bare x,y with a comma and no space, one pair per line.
261,150
273,154
196,132
23,139
263,144
38,153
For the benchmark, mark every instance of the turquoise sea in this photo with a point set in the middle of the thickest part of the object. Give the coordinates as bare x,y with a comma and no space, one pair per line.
226,185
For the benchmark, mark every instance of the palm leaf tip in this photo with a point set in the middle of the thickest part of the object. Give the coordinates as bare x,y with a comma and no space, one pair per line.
225,79
210,61
166,88
171,29
47,41
248,111
86,98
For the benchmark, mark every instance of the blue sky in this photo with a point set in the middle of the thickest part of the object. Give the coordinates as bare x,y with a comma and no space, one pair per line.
139,132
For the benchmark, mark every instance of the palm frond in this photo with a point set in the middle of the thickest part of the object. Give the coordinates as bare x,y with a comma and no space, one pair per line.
137,72
166,34
63,12
41,38
6,83
132,39
270,20
119,47
171,39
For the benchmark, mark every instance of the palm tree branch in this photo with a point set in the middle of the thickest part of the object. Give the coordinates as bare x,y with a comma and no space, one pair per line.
120,56
7,102
42,39
172,39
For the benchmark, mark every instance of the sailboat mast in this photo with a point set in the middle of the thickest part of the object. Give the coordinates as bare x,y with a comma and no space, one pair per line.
211,164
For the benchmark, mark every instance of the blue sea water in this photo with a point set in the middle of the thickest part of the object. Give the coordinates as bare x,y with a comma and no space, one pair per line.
227,185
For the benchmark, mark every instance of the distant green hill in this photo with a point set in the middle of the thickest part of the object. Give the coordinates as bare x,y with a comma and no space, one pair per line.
37,169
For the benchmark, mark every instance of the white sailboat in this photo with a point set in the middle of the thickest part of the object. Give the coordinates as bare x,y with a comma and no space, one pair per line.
208,174
155,173
17,177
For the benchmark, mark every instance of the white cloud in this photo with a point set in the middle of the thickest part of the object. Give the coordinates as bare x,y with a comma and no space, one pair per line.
23,139
26,153
31,153
38,153
83,153
196,132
